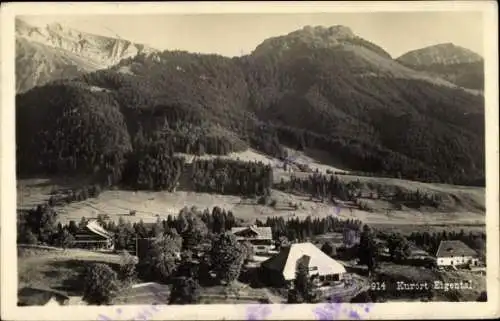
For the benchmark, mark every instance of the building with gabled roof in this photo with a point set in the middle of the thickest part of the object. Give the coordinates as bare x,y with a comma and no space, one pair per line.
261,237
281,268
94,236
451,253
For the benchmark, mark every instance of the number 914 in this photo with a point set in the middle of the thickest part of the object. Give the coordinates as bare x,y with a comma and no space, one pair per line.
377,286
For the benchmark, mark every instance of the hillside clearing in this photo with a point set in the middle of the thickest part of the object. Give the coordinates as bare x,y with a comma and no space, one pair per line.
465,208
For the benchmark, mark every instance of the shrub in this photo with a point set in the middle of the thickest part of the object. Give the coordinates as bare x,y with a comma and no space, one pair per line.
100,284
185,291
227,256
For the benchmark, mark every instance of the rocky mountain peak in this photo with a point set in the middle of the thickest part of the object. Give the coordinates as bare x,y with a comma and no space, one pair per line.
444,53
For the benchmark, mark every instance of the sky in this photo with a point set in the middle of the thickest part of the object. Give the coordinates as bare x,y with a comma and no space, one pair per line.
237,34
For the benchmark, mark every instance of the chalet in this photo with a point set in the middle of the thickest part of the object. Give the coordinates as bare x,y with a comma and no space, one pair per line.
94,237
281,268
260,237
455,253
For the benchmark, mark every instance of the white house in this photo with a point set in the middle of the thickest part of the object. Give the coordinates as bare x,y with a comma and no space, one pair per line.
455,253
283,266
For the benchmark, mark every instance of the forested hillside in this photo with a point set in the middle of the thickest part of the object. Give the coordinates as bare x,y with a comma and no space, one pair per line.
349,98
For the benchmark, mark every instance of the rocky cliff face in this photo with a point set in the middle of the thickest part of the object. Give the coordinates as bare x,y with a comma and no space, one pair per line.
54,51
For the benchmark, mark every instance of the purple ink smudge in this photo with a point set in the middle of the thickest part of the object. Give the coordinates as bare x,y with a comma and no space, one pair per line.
258,312
353,314
103,317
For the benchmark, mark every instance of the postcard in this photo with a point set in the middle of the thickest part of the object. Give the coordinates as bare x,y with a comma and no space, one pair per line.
249,161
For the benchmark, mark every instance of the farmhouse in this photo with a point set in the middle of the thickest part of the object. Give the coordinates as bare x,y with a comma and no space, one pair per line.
260,237
281,268
94,237
455,253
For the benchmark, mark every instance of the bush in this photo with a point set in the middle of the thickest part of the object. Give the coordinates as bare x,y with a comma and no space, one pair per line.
248,251
100,284
161,261
127,267
328,249
227,256
65,239
185,291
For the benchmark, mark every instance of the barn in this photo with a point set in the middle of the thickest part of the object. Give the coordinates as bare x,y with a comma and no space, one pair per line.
455,253
281,268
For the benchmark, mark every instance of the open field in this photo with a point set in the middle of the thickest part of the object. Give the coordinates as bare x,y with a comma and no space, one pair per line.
58,269
151,205
465,207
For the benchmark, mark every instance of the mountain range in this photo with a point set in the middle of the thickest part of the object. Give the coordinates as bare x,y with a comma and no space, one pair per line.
55,52
420,116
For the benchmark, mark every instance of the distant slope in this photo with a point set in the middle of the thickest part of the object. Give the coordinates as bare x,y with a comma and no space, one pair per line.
321,88
444,54
55,52
453,63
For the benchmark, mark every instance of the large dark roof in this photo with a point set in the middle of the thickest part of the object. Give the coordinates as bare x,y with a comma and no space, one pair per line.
454,248
262,232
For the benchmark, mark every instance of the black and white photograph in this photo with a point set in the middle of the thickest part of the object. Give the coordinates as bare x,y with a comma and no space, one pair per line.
327,161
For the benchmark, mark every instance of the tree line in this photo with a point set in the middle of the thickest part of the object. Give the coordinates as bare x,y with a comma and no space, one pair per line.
330,187
232,177
295,229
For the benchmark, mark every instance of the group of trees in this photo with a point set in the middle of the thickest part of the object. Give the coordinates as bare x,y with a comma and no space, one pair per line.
320,186
73,132
75,195
232,177
154,167
331,186
39,225
191,224
297,229
170,260
197,137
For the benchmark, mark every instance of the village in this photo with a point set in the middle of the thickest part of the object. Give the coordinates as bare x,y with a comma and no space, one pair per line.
347,266
212,255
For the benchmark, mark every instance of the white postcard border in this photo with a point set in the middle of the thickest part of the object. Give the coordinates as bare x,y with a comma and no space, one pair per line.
434,310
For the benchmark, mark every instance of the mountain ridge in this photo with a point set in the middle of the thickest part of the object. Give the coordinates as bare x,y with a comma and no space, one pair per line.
443,53
456,64
354,102
54,52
